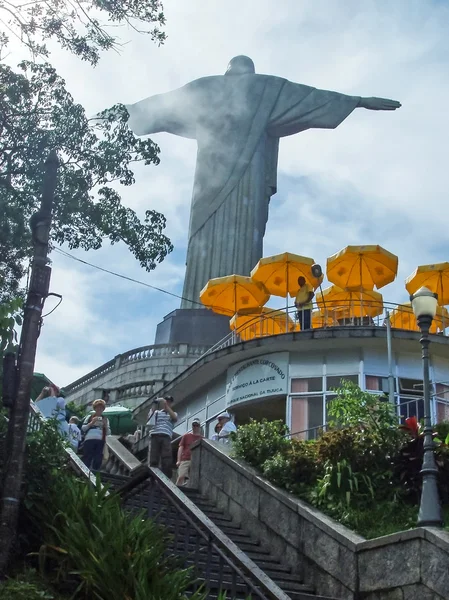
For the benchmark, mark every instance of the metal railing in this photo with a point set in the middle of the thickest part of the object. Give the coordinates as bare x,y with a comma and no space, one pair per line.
403,409
331,314
217,562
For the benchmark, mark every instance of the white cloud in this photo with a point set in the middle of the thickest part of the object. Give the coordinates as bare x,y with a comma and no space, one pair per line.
379,178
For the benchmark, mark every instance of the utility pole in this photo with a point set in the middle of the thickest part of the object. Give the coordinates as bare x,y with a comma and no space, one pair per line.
40,223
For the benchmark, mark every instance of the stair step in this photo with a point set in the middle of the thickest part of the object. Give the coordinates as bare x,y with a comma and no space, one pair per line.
253,547
293,586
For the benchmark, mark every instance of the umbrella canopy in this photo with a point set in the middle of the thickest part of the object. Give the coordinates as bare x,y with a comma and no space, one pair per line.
266,321
322,320
362,266
231,294
433,277
120,419
403,318
347,303
279,273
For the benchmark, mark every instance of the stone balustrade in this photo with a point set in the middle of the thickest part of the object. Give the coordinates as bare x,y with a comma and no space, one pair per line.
134,375
120,460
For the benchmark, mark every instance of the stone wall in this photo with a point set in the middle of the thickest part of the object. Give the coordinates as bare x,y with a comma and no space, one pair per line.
335,560
135,375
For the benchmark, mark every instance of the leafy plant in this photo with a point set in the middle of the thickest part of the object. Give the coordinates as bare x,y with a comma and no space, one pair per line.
407,465
340,484
352,406
259,441
104,552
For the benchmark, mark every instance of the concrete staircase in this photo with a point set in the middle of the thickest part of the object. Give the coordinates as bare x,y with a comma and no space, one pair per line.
195,553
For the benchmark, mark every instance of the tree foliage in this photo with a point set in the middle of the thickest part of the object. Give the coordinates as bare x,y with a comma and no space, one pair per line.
84,27
38,113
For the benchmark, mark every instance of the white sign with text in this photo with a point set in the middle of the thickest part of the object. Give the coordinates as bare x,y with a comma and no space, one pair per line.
258,377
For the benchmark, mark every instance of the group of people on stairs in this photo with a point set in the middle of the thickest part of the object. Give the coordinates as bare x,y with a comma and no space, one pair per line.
161,422
91,435
93,431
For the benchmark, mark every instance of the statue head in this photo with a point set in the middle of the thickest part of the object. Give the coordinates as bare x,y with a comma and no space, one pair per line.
240,65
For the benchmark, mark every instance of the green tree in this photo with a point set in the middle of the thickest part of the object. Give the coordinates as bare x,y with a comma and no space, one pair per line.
84,27
37,113
10,318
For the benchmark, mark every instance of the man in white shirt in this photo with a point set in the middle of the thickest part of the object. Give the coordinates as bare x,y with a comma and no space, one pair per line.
227,428
162,419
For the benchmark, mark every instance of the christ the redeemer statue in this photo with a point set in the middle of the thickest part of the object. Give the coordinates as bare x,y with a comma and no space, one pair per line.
237,120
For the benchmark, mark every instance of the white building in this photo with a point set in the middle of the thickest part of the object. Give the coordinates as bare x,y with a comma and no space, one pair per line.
292,377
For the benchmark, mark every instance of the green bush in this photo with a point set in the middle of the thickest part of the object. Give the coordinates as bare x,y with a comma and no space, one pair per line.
259,441
294,467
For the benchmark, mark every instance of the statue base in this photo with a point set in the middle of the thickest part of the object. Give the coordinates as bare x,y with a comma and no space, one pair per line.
194,326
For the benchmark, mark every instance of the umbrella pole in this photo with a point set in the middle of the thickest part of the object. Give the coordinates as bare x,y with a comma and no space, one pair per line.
286,298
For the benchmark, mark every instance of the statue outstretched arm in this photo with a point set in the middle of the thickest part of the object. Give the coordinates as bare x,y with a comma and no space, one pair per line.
379,104
173,112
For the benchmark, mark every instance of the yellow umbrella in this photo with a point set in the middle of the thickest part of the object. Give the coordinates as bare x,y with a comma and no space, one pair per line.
403,318
341,303
227,295
362,267
434,277
280,273
251,324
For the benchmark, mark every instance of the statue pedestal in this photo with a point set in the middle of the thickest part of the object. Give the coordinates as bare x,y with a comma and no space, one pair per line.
195,326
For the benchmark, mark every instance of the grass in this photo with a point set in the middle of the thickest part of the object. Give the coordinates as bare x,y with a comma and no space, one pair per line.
381,519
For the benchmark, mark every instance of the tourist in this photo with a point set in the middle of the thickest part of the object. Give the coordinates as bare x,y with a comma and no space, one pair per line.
303,303
95,429
217,430
56,406
161,420
227,427
184,452
74,433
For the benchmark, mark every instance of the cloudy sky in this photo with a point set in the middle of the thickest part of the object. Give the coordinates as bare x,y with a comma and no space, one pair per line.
380,178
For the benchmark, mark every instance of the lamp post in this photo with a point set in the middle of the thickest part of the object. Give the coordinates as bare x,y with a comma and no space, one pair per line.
424,305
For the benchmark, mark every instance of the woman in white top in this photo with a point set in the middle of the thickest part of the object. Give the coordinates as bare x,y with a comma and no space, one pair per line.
58,409
95,428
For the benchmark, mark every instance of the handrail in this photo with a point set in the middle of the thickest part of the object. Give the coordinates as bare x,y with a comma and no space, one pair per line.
257,583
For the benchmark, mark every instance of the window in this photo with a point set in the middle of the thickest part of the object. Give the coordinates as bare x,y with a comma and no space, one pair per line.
442,402
373,383
334,381
411,407
310,384
307,414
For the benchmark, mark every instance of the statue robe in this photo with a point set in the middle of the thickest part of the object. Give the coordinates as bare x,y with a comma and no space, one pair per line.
237,121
